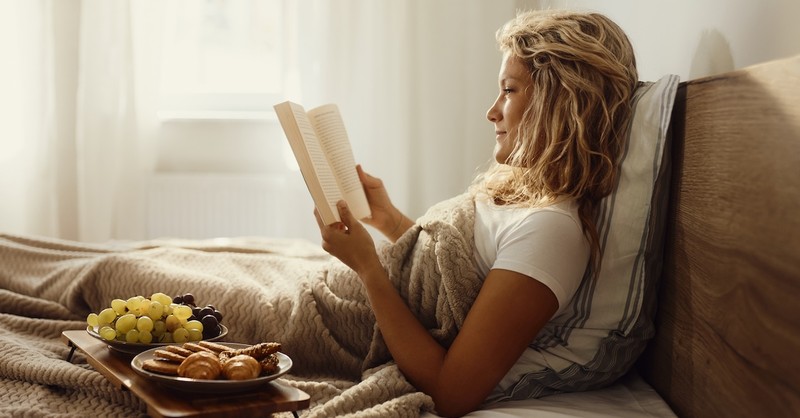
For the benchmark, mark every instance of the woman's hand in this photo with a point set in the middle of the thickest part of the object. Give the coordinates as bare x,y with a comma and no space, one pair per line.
349,241
385,216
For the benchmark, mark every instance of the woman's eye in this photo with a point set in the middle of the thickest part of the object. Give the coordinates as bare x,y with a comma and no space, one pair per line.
507,91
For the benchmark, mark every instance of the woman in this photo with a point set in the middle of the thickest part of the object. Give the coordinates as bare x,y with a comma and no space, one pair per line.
565,87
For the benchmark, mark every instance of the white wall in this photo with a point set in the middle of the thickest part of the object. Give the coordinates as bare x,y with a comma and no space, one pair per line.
696,38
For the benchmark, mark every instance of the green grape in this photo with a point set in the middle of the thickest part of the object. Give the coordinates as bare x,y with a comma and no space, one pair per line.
159,327
182,312
194,325
144,306
144,324
166,338
133,303
92,320
107,333
106,316
156,310
120,335
172,323
118,305
195,335
161,298
132,336
180,335
145,337
126,323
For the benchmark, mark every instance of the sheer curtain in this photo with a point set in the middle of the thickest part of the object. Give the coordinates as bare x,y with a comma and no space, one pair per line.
27,140
76,134
413,79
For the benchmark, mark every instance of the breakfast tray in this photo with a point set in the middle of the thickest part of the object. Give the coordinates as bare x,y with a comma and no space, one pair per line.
270,398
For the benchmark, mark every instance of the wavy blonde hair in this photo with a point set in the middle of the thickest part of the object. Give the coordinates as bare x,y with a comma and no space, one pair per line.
583,74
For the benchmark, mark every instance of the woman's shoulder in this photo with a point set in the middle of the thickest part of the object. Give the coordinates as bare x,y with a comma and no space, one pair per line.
508,221
567,207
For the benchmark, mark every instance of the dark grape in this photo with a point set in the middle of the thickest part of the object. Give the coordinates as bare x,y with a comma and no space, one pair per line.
205,311
209,321
208,314
211,332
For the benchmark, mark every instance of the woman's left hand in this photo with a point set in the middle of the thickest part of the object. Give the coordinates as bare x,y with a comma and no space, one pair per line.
348,240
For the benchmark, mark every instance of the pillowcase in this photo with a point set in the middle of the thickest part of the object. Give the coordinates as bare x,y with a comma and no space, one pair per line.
609,320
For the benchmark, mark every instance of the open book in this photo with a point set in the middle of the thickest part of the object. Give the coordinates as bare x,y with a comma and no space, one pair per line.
320,145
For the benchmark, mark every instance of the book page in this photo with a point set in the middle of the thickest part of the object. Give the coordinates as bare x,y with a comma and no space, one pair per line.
311,159
330,129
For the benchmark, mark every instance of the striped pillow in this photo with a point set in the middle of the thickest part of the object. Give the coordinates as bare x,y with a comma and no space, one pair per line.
609,320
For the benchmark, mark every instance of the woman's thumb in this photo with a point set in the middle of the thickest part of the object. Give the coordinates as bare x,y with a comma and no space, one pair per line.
345,214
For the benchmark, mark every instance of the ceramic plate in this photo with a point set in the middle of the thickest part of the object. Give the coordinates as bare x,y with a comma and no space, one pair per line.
136,348
209,386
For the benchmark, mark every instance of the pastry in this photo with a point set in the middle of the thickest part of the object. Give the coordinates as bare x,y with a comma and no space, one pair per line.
179,350
269,364
201,365
194,347
215,347
241,367
161,366
258,351
169,356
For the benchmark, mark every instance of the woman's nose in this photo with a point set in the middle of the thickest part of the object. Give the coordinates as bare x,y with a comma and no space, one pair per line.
492,114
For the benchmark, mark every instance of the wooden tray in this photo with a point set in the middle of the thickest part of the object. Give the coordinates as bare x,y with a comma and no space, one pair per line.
165,402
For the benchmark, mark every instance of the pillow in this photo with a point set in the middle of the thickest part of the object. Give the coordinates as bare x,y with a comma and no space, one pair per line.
630,397
609,320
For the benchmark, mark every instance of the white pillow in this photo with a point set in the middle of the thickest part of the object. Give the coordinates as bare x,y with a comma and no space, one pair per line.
607,324
630,397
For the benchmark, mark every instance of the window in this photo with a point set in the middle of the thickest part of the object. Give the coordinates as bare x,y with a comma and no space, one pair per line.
222,56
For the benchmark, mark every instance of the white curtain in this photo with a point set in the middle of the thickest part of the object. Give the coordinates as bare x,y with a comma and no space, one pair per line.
76,118
413,79
26,142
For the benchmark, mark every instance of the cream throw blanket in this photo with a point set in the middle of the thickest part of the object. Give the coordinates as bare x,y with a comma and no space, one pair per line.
276,290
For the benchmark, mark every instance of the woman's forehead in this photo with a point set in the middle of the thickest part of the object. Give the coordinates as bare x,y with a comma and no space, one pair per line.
512,67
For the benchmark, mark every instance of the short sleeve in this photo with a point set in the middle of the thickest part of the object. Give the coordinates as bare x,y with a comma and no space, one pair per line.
549,246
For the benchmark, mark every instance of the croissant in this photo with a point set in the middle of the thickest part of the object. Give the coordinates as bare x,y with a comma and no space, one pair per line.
241,367
201,365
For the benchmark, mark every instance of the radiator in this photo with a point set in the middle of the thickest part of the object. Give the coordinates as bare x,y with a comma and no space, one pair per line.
199,206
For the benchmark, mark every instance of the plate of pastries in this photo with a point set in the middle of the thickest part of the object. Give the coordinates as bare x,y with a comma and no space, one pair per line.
213,367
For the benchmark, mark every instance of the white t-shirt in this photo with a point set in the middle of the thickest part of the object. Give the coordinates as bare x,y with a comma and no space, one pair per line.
546,244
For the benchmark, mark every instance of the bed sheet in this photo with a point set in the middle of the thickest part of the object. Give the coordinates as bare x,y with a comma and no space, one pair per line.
630,397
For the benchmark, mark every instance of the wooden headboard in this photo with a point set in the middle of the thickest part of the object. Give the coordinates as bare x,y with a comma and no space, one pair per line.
728,325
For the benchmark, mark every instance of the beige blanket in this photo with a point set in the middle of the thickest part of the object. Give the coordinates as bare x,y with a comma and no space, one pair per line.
276,290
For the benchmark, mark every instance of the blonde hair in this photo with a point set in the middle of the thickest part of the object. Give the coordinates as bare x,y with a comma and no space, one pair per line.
583,74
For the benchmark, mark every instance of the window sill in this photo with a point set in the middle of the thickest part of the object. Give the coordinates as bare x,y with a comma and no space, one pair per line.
260,116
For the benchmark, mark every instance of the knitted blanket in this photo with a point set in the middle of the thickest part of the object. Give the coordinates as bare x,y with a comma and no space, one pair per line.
268,290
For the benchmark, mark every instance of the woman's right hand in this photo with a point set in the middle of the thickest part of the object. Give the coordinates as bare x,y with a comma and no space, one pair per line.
386,218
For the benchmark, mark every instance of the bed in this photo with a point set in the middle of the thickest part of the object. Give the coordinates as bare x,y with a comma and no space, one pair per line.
727,331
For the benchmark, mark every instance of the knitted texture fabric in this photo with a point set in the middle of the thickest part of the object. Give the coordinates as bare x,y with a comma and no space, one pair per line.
268,289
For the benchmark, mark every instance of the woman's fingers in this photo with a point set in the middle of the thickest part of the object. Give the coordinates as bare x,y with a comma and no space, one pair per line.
318,218
366,179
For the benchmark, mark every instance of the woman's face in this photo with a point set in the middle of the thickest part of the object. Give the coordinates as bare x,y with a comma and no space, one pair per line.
506,112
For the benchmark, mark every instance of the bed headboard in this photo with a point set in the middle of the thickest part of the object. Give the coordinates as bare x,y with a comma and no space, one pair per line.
728,322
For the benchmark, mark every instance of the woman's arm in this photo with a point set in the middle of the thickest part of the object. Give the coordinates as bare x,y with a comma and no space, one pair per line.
509,311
